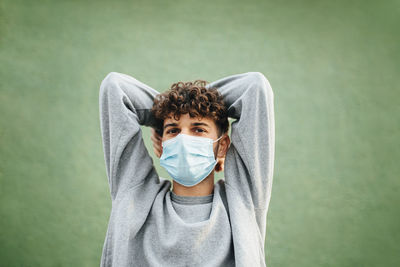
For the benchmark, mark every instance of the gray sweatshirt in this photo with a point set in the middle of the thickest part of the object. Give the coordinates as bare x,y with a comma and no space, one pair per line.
149,225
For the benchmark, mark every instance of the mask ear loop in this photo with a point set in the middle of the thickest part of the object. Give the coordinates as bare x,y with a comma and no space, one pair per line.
218,139
217,149
218,144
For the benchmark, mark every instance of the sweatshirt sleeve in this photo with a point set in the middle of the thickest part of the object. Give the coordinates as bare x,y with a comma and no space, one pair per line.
125,103
249,161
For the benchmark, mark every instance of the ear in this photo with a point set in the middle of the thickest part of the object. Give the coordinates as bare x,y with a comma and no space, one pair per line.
220,165
221,153
224,144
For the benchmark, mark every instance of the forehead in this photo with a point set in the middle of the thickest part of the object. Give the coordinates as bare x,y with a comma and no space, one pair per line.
186,119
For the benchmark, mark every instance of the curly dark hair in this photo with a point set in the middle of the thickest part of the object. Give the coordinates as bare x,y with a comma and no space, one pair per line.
193,98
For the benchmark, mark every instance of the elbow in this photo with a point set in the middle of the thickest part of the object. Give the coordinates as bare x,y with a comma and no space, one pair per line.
260,83
108,82
110,78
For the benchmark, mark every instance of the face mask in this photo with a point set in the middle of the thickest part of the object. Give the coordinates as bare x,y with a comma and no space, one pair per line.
188,159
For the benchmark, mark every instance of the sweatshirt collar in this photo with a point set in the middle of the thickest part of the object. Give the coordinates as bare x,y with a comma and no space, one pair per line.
191,200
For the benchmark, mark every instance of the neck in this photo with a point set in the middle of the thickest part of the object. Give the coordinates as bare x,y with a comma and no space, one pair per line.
204,188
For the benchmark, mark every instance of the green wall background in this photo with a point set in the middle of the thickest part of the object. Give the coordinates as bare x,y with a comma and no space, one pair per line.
333,66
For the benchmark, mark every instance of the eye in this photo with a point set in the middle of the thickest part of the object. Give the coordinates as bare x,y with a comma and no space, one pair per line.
173,130
200,130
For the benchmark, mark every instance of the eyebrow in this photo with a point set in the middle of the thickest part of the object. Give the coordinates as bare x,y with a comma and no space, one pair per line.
170,125
192,124
200,124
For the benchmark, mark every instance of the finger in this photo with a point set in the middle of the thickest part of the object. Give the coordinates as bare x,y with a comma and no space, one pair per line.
157,153
155,134
157,148
157,145
153,138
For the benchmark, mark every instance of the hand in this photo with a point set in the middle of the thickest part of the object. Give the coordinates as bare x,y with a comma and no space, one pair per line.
156,139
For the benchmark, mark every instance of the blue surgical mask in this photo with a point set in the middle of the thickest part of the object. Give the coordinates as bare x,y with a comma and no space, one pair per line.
188,159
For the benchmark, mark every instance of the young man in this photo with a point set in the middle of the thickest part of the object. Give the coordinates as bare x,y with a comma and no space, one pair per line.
198,223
